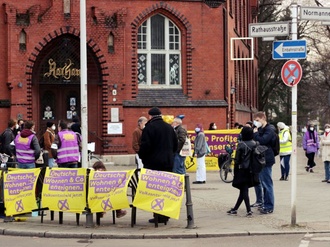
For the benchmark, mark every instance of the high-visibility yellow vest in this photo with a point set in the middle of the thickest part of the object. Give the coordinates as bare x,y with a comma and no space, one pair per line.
287,146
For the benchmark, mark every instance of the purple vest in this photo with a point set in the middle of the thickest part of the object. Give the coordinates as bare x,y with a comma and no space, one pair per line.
24,153
69,150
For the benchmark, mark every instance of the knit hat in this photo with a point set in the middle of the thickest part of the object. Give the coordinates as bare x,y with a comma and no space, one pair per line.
281,125
49,124
247,133
154,111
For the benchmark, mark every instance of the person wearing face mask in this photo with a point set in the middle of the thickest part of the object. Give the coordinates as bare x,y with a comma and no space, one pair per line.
311,146
264,134
213,126
325,146
285,150
136,141
49,137
200,152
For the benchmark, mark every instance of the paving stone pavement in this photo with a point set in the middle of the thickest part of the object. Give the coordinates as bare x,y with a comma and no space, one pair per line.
210,203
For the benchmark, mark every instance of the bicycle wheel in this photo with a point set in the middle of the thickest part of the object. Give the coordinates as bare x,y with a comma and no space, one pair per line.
227,172
92,160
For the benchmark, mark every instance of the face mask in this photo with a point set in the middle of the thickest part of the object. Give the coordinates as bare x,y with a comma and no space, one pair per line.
197,130
257,124
327,130
53,127
17,126
311,129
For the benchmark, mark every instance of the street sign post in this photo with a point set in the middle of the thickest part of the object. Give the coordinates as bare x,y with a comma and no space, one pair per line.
315,13
289,49
269,29
291,73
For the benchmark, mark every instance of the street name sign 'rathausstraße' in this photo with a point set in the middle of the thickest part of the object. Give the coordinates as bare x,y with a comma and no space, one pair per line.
269,29
315,13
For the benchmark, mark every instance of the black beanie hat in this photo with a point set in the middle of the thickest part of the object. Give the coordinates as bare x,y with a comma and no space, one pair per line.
154,111
49,124
247,133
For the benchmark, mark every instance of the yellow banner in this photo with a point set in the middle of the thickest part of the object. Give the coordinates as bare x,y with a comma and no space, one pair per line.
217,140
19,191
107,190
160,192
64,189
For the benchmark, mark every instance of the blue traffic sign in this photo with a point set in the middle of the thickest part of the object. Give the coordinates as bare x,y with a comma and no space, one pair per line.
289,49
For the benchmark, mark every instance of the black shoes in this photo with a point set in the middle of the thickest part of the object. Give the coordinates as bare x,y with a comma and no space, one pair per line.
199,182
266,211
161,220
232,212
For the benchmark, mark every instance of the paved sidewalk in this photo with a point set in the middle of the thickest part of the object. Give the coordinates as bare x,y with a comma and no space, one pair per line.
210,203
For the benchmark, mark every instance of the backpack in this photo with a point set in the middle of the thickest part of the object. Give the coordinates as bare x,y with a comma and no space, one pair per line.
258,160
275,144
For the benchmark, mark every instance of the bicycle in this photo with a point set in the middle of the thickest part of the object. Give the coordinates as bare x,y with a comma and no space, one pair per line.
91,159
227,166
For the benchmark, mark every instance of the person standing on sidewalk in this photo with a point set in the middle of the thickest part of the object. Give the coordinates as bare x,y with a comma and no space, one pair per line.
242,173
136,141
311,146
181,134
49,137
200,152
285,150
264,134
158,145
7,136
325,146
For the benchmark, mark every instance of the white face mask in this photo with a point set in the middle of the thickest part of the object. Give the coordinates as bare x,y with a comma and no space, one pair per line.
257,124
17,126
327,130
53,127
197,130
311,129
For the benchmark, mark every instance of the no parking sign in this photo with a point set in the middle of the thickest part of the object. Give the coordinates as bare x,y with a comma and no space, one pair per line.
291,73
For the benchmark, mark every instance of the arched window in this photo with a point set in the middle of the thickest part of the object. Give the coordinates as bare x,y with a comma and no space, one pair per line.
159,53
22,40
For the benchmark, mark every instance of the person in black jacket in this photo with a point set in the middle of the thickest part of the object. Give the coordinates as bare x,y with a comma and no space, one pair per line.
158,145
7,137
182,135
243,178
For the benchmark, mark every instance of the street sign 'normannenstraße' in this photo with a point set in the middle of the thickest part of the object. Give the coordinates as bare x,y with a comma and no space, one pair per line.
269,29
315,13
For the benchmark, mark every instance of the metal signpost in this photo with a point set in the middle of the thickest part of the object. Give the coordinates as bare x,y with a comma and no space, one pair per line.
289,49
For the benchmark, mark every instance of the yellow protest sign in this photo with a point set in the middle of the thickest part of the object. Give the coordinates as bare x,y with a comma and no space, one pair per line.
217,141
19,191
160,192
107,190
64,189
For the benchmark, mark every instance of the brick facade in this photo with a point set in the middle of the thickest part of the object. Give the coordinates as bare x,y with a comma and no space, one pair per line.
207,72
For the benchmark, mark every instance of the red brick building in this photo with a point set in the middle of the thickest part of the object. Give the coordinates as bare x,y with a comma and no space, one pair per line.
141,53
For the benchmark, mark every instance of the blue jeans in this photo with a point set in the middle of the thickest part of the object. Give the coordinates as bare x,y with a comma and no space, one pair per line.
285,165
259,194
26,166
51,162
266,182
179,164
327,169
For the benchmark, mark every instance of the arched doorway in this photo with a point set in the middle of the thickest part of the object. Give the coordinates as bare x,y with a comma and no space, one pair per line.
56,86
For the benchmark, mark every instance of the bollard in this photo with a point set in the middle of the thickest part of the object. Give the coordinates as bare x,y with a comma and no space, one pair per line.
89,218
189,204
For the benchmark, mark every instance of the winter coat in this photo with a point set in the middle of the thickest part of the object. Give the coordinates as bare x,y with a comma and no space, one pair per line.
264,136
200,145
310,144
181,134
49,137
243,156
325,145
158,145
6,138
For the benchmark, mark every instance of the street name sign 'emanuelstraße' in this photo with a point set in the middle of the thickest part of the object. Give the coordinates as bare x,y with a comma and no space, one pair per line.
269,29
